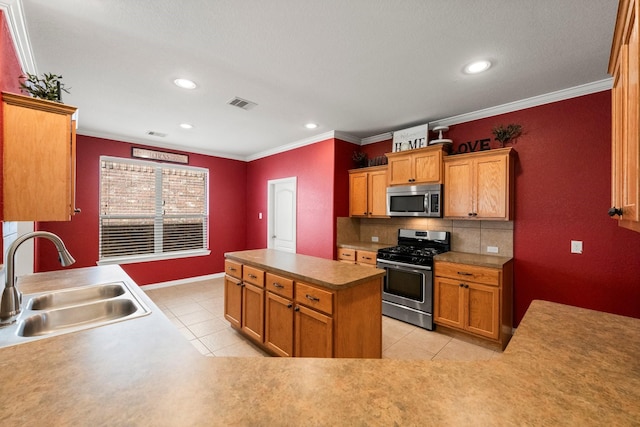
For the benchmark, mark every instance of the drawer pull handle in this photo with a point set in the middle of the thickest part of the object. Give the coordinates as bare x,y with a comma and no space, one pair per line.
462,273
312,298
277,285
232,269
252,276
347,255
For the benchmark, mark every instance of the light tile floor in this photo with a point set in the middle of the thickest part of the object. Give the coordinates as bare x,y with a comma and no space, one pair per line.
197,310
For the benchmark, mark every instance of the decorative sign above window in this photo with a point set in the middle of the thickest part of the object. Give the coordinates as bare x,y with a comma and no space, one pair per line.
410,139
143,153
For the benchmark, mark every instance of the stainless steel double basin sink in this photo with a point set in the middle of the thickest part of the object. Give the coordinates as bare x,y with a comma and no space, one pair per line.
54,313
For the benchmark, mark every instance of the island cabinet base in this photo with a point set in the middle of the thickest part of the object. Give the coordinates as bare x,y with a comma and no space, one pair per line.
302,319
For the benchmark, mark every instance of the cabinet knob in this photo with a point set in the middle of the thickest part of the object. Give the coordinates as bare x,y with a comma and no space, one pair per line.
289,305
296,309
461,285
77,210
615,211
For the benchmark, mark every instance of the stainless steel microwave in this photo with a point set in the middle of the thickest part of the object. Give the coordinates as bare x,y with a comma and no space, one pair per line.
415,200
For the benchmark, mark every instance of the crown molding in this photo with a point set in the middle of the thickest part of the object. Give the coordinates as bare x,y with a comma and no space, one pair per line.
14,12
561,95
377,138
146,142
303,142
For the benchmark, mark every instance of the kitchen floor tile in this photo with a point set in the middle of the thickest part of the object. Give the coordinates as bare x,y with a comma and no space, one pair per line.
197,310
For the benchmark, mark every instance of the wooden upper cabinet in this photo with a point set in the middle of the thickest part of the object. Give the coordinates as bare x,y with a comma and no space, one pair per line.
624,65
479,185
368,192
39,148
420,166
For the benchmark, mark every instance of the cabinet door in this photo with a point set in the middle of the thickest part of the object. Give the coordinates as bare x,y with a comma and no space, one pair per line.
39,156
427,167
253,312
278,334
630,142
233,300
482,306
313,333
458,188
358,194
400,170
377,193
491,187
448,302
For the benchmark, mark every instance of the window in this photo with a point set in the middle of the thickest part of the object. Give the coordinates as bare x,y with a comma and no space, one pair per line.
151,210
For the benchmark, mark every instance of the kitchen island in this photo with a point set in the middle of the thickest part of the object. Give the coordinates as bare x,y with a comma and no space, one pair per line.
564,366
304,306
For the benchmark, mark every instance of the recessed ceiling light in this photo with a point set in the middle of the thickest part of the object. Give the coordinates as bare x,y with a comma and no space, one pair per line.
185,83
311,125
477,67
186,126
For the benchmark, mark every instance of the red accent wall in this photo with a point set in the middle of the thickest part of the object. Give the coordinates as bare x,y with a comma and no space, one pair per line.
10,72
562,193
314,167
227,181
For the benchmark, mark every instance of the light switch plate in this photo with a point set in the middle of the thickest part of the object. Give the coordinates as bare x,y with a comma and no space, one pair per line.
492,249
374,238
576,246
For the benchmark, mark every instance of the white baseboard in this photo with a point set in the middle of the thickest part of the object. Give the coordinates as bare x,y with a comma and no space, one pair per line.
181,281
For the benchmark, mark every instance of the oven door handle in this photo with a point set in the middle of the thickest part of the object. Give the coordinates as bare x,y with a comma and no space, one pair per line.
396,264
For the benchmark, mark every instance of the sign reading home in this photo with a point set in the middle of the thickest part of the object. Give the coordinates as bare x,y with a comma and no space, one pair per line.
410,139
143,153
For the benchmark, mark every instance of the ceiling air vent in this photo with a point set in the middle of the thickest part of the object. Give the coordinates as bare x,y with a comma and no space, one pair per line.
242,103
158,134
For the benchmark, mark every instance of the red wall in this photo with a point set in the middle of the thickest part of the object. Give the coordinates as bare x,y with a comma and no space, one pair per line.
227,180
313,165
562,193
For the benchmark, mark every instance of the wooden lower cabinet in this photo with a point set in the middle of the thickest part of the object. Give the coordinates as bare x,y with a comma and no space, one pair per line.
474,299
278,336
313,333
291,318
233,300
253,312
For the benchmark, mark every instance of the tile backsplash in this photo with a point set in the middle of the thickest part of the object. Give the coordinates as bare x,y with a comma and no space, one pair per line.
466,236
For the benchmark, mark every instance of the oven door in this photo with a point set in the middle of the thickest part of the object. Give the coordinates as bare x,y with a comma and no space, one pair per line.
408,285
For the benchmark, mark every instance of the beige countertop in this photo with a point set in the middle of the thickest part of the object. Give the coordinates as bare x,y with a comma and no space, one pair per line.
320,271
564,366
365,246
473,259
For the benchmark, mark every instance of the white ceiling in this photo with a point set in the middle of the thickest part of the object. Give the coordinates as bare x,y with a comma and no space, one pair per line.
363,67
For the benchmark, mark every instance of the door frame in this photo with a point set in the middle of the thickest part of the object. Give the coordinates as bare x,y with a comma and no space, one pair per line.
271,184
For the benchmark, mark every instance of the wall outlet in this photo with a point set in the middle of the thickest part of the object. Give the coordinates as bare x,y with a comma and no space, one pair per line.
492,249
259,215
374,238
576,246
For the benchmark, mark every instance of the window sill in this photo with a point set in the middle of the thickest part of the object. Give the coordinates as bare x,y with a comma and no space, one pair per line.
154,257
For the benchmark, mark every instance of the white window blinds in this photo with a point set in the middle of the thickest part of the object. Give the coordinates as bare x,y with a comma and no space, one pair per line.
149,208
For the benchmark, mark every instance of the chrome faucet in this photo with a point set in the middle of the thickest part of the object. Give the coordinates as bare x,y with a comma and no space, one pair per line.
11,297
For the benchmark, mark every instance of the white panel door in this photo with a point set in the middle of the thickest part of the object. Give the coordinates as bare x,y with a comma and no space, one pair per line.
282,214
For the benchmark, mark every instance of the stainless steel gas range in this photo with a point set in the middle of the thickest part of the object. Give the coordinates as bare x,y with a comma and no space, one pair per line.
408,285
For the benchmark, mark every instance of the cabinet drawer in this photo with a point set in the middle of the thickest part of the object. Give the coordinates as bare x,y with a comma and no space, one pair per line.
472,273
345,254
313,297
279,285
233,268
253,275
366,257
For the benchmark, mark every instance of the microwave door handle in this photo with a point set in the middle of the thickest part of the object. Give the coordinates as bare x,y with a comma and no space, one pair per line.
427,197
